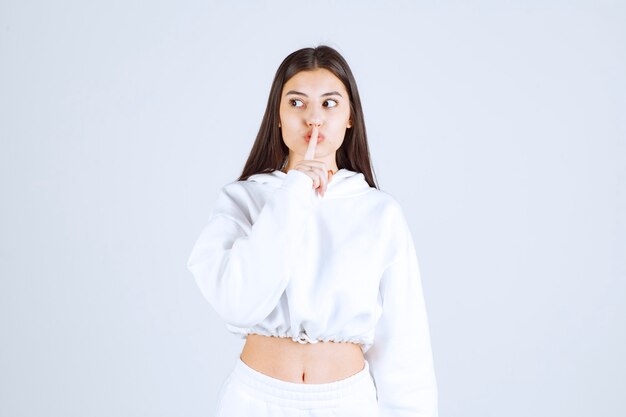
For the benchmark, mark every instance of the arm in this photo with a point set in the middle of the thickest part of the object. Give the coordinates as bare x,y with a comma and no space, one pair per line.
401,359
241,268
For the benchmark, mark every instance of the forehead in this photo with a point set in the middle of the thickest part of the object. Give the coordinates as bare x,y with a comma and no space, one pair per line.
315,81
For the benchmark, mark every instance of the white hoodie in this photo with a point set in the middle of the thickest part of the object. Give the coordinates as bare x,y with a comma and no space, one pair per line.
277,259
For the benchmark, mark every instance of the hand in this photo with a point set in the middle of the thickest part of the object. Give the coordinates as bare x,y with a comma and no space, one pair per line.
317,170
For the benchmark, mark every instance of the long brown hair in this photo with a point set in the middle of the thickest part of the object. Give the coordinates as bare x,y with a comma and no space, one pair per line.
269,152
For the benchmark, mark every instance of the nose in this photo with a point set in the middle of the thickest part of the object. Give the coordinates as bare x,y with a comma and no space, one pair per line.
314,118
314,122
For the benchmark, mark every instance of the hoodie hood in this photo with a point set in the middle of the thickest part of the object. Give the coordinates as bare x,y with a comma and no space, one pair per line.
344,183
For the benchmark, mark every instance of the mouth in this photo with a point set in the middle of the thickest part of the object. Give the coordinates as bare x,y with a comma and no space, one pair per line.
320,138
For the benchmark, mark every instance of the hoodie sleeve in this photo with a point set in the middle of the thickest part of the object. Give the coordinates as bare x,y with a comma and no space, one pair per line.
400,358
242,268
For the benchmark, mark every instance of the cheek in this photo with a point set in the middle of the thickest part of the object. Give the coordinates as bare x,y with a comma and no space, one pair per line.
339,127
337,138
289,121
340,120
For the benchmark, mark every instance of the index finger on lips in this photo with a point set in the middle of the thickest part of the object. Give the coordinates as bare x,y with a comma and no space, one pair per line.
310,150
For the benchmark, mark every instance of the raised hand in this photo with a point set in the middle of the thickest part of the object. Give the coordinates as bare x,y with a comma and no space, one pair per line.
317,170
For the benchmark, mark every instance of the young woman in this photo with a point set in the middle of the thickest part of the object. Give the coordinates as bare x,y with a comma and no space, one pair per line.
305,258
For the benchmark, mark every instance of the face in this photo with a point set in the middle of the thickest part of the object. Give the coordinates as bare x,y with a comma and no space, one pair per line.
309,97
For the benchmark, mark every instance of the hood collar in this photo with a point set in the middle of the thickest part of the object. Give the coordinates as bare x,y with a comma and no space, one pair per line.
345,183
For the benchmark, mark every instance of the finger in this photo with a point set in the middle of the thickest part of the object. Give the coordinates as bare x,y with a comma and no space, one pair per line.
323,178
310,151
316,182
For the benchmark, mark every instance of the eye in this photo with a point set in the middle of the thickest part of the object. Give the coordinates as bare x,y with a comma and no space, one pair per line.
293,100
334,101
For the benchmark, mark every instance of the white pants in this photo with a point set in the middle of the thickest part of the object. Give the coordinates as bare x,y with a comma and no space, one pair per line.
249,393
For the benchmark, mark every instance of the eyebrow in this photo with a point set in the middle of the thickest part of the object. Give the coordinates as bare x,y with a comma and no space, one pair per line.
332,93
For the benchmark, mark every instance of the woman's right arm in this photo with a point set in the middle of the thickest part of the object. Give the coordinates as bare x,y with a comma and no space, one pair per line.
241,268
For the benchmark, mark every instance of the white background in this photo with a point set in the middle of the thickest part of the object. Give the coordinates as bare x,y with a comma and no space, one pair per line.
499,126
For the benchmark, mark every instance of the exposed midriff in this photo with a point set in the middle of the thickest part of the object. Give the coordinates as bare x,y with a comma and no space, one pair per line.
311,363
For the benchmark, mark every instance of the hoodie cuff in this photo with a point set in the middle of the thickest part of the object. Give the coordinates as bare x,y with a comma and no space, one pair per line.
297,179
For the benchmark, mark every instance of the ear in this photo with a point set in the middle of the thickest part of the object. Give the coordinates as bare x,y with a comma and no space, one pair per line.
349,124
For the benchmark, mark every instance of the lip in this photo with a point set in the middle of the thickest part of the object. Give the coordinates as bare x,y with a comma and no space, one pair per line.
320,137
